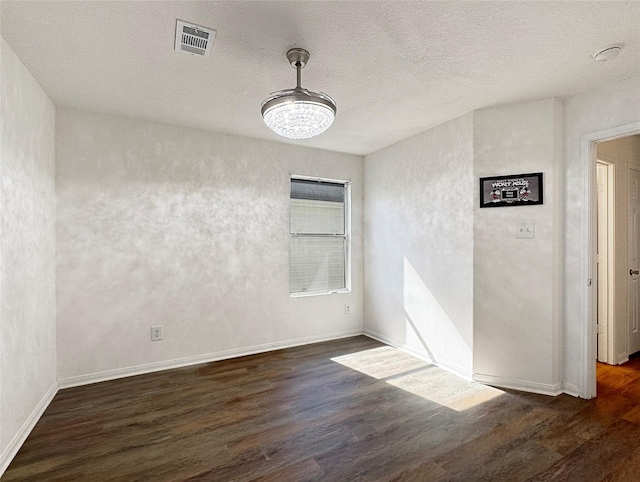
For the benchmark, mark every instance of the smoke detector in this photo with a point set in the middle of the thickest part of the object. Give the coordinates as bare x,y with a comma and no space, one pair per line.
194,39
608,53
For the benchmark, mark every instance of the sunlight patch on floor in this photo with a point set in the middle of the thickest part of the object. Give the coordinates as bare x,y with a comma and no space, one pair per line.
409,373
446,389
381,363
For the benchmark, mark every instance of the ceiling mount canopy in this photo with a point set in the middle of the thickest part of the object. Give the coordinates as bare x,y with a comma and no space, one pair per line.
298,113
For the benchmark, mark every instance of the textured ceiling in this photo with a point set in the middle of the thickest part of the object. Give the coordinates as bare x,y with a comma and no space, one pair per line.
394,68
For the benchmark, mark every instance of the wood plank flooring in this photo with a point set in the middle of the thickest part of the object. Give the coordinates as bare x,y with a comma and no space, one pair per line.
345,410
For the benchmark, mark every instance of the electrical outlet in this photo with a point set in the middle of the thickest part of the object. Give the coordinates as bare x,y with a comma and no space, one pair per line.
156,333
347,309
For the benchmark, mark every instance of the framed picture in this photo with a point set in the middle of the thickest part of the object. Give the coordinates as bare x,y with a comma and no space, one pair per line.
514,190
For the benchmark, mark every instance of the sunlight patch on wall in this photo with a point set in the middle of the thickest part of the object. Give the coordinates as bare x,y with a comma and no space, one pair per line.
428,327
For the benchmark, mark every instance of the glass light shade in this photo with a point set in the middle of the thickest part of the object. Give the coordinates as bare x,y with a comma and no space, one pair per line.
298,113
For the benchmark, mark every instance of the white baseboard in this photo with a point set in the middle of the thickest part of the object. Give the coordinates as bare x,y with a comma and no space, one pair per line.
423,356
622,358
198,359
12,449
523,385
571,389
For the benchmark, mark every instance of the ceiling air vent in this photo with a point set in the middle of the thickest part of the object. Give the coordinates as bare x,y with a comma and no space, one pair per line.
194,39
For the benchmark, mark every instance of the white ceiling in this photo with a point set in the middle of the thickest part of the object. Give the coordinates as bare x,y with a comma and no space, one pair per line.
394,68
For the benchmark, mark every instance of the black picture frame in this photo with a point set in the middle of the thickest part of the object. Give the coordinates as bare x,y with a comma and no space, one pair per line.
512,190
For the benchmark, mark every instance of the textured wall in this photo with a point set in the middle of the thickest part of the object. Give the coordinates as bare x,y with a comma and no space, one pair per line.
595,111
161,225
516,287
419,244
27,252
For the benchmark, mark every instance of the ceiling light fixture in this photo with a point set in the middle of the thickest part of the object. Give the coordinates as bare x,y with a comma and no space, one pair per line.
298,113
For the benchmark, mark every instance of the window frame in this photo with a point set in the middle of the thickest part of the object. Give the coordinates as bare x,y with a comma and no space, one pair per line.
346,236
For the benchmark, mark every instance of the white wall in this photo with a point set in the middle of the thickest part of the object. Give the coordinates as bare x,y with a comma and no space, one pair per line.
517,291
27,253
419,244
614,106
162,225
622,153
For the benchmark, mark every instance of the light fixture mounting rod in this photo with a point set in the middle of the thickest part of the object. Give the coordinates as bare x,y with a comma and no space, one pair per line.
298,58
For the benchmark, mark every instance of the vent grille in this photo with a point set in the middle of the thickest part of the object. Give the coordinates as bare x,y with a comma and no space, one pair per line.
194,39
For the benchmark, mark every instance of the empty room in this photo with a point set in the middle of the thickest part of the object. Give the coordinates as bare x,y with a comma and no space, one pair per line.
319,240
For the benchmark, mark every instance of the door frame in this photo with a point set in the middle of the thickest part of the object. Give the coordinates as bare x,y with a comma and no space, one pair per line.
588,157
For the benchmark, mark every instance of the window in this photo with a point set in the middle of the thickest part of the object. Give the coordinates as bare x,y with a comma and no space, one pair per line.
319,229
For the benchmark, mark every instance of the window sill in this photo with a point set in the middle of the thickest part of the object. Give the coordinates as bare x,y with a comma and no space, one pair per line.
304,294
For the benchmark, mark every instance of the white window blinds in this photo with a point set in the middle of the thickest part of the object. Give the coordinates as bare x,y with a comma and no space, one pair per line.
319,236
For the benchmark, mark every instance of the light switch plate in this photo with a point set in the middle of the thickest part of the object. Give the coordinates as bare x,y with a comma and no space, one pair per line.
526,230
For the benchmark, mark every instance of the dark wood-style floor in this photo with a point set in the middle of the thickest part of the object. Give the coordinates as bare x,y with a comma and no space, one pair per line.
345,410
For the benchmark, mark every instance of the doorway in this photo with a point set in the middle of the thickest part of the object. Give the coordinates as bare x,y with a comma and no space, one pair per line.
588,293
615,252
